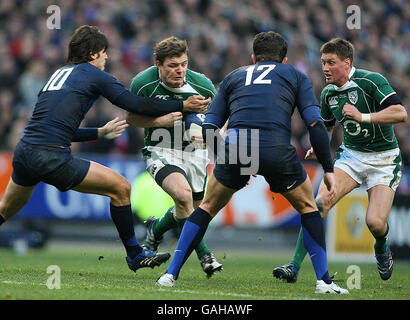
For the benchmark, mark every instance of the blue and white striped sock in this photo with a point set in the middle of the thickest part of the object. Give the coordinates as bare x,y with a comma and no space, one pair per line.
192,233
314,241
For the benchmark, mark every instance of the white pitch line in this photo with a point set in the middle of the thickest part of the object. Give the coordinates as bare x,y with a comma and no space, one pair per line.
15,282
241,295
220,293
213,293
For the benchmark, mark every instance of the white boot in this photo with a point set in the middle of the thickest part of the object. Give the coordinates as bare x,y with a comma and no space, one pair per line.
323,287
166,280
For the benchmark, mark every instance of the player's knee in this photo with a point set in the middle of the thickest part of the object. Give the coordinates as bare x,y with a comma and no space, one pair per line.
376,225
183,197
122,192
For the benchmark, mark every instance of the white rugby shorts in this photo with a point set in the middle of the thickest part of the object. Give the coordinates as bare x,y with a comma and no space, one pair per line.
193,163
371,168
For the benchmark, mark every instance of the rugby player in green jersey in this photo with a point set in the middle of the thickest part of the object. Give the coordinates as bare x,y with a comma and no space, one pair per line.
366,107
177,165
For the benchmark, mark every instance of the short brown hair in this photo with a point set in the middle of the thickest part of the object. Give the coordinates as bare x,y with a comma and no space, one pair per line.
170,47
342,48
85,41
269,45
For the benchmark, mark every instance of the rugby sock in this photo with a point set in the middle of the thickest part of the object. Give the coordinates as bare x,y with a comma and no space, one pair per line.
314,240
1,220
165,223
300,251
380,245
122,218
192,233
201,249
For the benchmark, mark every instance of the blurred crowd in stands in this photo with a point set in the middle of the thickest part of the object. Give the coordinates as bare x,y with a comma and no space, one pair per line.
219,34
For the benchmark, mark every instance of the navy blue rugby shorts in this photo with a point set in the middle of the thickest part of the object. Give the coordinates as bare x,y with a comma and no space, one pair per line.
52,165
279,165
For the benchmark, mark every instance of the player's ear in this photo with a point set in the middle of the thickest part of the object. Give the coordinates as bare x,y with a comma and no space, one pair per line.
347,65
253,58
94,56
285,60
157,63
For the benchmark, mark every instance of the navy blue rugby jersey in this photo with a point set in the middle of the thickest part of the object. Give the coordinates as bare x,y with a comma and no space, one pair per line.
68,95
263,96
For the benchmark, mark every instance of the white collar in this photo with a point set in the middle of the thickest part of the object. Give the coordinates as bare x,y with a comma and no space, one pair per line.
348,83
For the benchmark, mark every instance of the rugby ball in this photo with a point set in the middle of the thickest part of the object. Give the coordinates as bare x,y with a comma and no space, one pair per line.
193,125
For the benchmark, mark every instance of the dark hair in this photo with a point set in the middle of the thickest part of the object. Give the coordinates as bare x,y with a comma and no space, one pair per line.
341,47
85,41
269,45
170,47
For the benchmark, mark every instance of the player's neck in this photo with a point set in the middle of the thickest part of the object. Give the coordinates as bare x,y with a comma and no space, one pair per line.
346,78
342,82
95,64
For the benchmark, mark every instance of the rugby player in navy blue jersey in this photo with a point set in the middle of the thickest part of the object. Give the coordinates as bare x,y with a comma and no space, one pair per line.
44,154
262,98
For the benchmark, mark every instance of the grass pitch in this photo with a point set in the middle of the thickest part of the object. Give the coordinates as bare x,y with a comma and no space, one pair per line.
99,273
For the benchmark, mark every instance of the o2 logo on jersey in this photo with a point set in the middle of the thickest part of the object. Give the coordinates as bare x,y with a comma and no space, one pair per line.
353,128
57,79
261,79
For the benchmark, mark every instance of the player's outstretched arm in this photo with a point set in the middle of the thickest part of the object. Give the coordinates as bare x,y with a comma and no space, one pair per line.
112,129
117,94
157,107
310,154
164,121
319,140
320,144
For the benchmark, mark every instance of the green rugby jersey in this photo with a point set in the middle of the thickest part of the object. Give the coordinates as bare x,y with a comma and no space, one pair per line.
365,90
148,84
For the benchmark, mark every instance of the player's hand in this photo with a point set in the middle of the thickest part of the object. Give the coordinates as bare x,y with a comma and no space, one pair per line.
310,154
330,182
169,119
352,112
196,104
112,129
